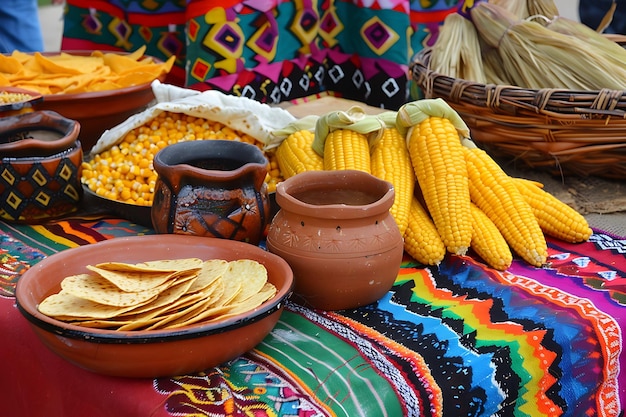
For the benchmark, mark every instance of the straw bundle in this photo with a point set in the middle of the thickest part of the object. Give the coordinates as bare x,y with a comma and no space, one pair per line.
525,8
542,7
608,49
457,50
534,56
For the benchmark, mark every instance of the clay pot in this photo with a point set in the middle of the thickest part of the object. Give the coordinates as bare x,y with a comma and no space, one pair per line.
213,188
335,231
40,166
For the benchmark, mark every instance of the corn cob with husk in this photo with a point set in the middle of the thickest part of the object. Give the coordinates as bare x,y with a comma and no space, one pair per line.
488,242
555,218
456,52
421,238
534,56
433,134
295,153
342,138
496,194
390,161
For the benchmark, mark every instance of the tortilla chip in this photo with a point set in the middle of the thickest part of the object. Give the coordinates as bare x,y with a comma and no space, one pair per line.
252,276
101,290
166,265
64,306
211,271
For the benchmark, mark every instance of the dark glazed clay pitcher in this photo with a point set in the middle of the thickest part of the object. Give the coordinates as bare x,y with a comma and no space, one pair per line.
213,188
335,231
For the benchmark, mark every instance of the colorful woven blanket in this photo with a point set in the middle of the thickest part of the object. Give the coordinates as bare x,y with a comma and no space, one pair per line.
455,340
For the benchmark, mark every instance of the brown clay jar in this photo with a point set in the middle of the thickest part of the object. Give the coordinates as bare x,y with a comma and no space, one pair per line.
335,230
40,167
211,188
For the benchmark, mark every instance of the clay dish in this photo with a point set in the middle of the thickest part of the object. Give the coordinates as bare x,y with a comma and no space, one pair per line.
99,110
151,353
18,107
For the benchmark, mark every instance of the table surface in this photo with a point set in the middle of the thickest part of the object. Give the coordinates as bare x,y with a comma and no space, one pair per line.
458,339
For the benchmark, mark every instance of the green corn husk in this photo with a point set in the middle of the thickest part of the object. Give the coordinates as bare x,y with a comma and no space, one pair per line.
354,118
456,53
536,57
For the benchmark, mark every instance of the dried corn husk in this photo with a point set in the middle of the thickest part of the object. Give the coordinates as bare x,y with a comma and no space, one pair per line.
545,8
518,8
608,49
536,57
456,53
492,65
525,8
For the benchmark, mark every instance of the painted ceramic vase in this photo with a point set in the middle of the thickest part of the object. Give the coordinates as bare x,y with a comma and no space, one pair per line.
213,188
335,230
40,167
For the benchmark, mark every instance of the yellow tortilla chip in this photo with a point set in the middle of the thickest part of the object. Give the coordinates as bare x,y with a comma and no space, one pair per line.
165,265
65,305
211,271
101,290
251,275
159,294
135,281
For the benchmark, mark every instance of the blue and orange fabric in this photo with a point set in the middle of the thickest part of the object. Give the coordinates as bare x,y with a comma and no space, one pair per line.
459,339
271,51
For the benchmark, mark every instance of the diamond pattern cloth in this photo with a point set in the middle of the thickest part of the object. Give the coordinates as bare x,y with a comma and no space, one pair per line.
274,50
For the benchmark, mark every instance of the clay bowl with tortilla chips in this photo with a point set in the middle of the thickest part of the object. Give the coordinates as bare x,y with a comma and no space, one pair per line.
154,305
99,89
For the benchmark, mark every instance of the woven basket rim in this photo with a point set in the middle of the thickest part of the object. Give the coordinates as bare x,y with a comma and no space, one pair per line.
553,102
562,131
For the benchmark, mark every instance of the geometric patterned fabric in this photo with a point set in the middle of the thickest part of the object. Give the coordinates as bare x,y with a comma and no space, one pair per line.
274,50
459,339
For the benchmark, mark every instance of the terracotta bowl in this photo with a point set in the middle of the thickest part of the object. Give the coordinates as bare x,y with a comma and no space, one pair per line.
18,107
40,166
151,353
98,111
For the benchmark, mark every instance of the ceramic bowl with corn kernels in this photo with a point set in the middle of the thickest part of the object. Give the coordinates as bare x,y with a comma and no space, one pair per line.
122,178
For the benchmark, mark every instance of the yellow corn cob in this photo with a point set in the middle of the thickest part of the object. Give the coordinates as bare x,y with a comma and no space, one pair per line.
555,218
437,157
495,193
421,239
346,149
390,161
343,138
295,154
488,242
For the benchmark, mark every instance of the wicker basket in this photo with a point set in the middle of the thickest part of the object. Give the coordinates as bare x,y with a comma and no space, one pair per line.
562,131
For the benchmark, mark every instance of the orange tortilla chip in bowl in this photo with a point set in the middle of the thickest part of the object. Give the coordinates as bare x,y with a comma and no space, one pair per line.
81,86
131,333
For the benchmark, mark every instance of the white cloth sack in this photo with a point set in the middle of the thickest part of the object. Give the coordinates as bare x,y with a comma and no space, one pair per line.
242,114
